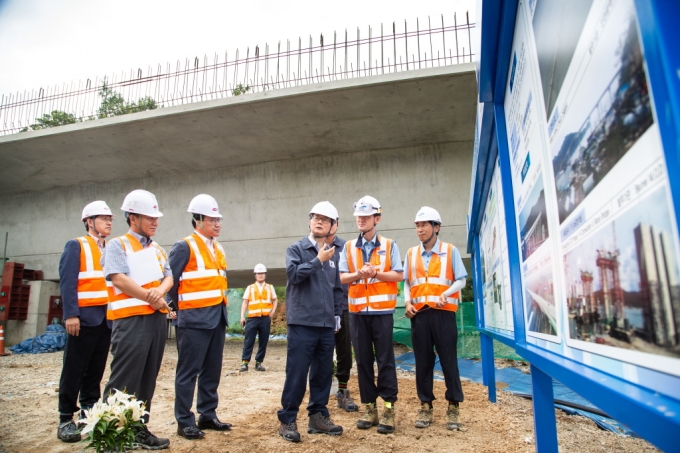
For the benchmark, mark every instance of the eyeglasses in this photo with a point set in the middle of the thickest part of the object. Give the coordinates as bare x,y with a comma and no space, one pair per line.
366,208
106,219
324,220
213,220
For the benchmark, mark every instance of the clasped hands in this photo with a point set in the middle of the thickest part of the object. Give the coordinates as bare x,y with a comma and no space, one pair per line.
155,298
368,271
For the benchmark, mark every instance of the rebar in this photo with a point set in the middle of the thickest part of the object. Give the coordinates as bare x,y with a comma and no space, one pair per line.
204,80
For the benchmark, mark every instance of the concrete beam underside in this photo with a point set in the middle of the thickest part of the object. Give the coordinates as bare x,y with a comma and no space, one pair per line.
266,169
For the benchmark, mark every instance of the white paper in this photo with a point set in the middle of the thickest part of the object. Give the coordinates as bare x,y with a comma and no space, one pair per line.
144,267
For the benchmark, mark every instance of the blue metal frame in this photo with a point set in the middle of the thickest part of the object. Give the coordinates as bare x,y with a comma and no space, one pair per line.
654,416
660,38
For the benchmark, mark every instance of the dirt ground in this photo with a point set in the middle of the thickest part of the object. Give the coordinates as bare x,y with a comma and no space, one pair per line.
28,398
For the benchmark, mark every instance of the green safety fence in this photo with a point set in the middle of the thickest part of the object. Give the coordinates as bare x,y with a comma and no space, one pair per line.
469,345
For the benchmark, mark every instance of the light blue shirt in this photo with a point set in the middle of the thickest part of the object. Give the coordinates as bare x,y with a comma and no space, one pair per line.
456,261
114,260
367,248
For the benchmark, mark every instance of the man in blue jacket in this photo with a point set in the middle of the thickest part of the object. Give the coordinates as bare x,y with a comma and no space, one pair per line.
84,294
313,310
200,265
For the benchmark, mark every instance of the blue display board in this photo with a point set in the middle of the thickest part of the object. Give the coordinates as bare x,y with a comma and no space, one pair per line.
573,222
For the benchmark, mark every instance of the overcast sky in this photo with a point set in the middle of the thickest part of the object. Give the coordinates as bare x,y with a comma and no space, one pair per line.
48,42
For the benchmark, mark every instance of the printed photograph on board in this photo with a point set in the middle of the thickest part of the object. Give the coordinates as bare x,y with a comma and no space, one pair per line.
623,282
617,111
539,302
533,222
557,26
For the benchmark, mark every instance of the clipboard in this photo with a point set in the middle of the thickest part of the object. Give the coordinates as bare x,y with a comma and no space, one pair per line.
143,267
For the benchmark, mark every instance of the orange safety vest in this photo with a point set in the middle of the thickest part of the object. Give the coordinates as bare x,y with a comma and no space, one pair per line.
426,287
123,306
204,280
259,302
92,286
370,294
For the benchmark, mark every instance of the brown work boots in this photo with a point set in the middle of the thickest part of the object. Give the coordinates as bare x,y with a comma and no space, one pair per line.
386,423
426,416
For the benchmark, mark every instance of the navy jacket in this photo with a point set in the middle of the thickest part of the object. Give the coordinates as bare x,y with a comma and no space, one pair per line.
69,268
339,243
196,318
313,293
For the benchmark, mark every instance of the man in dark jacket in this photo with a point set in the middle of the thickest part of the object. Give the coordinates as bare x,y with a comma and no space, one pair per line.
198,293
313,310
84,293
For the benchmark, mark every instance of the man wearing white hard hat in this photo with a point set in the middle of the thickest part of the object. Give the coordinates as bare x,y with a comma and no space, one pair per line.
434,274
313,309
200,266
138,308
343,342
259,299
84,297
371,266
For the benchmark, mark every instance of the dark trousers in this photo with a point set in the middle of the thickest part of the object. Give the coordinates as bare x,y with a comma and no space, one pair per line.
343,349
310,352
83,367
260,327
432,329
200,354
371,332
137,345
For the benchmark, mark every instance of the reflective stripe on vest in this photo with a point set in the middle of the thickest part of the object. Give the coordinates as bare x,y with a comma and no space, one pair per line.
123,306
92,285
370,294
260,303
427,287
204,280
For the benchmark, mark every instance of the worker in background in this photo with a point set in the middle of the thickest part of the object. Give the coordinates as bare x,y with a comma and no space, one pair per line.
200,265
260,301
371,265
313,310
434,274
343,343
84,297
138,311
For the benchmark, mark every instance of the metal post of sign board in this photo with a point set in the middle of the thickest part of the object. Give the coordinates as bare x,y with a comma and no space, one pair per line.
543,401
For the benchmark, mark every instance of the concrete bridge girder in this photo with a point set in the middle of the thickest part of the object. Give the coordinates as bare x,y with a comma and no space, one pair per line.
267,157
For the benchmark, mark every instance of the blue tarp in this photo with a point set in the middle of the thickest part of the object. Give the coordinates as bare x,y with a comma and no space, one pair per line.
520,384
53,340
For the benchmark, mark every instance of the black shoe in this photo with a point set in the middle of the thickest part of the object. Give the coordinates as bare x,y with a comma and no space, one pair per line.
190,432
68,432
213,424
289,431
244,367
259,367
144,439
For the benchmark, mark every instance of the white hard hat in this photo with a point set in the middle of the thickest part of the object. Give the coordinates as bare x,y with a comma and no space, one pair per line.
95,208
260,269
204,204
325,208
428,214
141,202
367,205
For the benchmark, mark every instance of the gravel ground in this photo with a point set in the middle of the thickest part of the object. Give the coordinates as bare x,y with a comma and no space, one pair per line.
28,396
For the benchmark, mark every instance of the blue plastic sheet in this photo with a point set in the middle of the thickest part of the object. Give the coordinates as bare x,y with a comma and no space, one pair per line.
53,340
520,384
